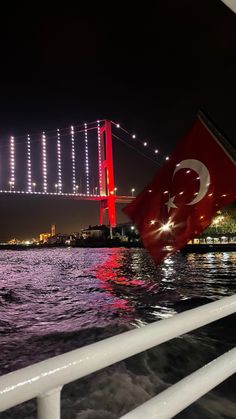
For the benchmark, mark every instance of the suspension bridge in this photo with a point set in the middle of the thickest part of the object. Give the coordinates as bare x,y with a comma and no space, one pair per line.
74,163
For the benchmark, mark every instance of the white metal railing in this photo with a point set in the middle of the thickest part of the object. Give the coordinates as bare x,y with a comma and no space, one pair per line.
171,401
45,379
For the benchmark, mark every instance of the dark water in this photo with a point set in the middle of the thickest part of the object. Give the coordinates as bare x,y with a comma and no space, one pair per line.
56,300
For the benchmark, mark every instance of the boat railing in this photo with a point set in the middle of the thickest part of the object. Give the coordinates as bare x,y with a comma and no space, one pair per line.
45,380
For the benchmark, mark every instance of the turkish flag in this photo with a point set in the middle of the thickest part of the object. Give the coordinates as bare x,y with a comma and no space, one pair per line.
198,179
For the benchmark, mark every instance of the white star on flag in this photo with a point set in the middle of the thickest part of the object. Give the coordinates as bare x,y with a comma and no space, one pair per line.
170,203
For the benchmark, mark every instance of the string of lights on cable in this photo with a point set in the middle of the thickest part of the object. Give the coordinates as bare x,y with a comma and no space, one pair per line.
73,158
58,186
143,143
29,174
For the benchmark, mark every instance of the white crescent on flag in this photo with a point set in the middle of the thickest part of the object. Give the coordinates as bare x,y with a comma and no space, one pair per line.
203,174
231,4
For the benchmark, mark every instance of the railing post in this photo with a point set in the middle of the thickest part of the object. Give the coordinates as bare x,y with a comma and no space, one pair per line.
49,404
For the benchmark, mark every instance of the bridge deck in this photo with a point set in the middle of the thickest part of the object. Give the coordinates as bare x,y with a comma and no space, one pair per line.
121,199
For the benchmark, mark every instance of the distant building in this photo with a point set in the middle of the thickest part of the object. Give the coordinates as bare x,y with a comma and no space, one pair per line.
58,239
123,232
95,232
126,232
43,237
14,241
62,238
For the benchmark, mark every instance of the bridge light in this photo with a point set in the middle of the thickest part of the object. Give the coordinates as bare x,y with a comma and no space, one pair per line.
73,158
133,136
167,158
33,185
44,163
145,144
11,185
132,191
59,176
29,164
99,158
86,158
117,125
12,163
156,151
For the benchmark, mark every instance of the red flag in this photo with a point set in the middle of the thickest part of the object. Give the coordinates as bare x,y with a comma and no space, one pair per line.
198,179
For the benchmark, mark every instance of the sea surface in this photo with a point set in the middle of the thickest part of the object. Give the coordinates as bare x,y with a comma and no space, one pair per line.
56,300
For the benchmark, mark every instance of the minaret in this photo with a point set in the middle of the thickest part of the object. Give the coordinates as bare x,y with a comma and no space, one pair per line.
53,230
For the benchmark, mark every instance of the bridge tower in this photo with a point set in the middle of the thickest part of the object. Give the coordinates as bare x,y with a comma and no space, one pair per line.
106,174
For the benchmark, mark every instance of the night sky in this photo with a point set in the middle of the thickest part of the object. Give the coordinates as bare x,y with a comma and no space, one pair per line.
151,71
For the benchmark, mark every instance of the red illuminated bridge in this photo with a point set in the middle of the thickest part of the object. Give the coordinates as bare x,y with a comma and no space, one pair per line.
74,163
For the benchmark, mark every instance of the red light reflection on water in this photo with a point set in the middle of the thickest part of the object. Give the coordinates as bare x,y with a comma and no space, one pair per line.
108,273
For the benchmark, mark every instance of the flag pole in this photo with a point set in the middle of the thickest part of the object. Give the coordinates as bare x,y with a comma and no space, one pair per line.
218,135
